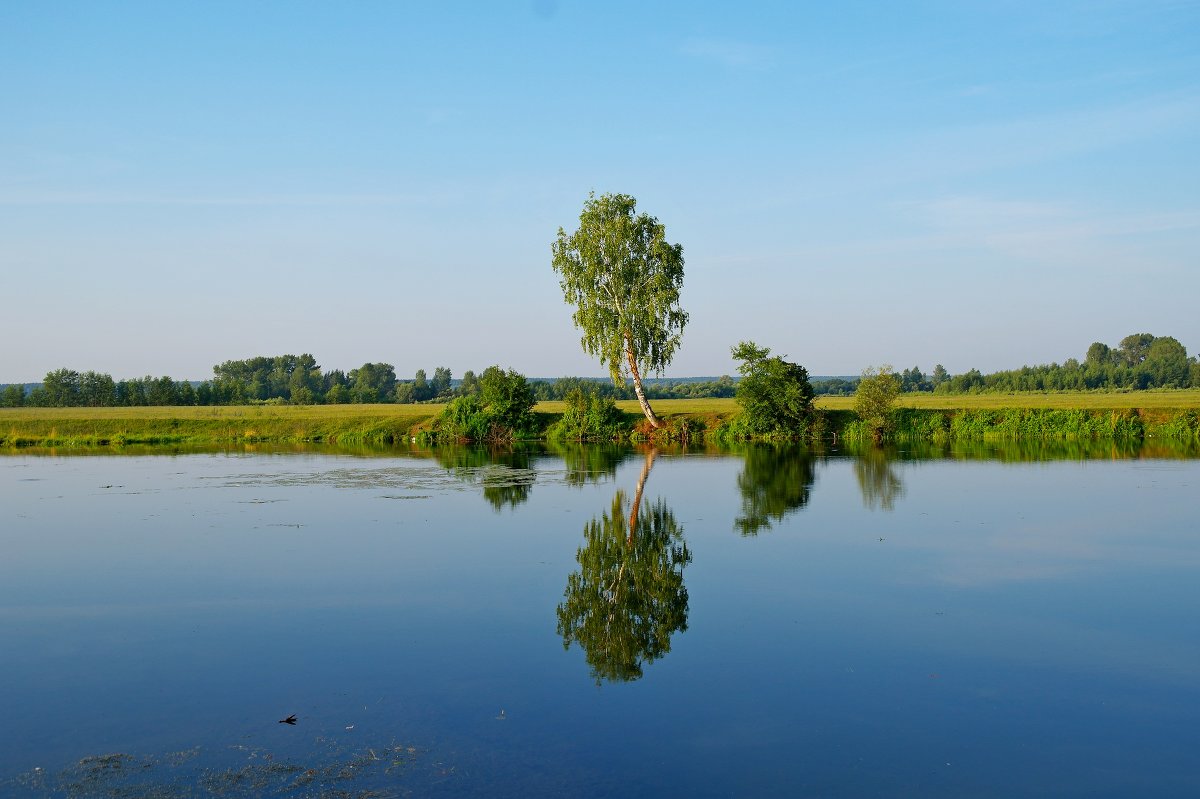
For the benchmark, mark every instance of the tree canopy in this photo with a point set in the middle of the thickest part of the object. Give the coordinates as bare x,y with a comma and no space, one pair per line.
875,398
624,278
775,394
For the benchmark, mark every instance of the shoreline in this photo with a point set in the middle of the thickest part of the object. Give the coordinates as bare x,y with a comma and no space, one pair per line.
685,421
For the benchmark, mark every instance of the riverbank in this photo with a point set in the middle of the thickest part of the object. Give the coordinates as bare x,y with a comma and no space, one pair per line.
921,418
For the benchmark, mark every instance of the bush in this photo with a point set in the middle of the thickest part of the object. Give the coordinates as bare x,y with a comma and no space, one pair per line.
775,394
588,417
508,398
875,398
465,418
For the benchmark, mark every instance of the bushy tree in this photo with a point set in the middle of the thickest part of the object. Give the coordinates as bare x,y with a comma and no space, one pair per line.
469,384
508,398
875,400
13,396
440,384
61,388
775,394
589,416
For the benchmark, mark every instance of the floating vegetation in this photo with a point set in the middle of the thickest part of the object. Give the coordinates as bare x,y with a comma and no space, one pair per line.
373,772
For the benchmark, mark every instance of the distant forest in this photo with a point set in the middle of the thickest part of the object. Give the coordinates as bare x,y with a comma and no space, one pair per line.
1140,361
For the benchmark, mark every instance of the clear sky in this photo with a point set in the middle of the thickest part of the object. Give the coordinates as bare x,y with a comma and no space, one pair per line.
980,184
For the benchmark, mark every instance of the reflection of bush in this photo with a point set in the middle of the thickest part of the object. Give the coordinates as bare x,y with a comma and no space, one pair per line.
589,463
628,597
774,482
504,473
880,485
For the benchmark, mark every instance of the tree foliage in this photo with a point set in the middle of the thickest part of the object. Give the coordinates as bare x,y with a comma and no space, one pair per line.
624,278
775,394
875,399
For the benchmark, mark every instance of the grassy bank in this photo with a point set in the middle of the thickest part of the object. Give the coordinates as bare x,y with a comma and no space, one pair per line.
1146,414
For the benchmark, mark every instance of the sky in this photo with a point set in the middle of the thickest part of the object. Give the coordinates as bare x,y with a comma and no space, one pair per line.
978,184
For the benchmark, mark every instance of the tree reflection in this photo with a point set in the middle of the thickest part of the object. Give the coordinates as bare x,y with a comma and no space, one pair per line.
774,482
504,473
628,597
880,485
589,463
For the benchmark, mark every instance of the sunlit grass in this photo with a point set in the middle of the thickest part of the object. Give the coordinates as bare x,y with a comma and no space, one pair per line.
1083,400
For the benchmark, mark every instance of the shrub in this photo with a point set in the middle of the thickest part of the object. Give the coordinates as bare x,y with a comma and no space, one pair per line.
588,417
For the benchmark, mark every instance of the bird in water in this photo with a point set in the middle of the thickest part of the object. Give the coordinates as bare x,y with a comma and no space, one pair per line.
289,720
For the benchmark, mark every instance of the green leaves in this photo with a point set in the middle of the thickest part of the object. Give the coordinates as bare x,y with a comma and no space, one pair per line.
623,278
775,394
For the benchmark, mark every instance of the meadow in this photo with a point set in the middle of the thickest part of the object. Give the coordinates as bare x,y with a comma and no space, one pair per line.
348,424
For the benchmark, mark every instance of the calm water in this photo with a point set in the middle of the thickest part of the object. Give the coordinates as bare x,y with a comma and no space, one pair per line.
600,622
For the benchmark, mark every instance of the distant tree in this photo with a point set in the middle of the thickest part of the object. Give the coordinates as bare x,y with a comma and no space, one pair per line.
913,380
373,382
420,387
440,384
775,394
61,388
97,390
1098,354
469,384
161,391
1168,363
1135,347
623,278
13,396
185,393
940,375
875,399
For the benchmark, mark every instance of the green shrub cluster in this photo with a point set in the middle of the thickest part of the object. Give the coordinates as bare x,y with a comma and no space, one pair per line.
501,411
589,416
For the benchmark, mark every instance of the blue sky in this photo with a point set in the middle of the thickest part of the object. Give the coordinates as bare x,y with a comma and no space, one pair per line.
980,184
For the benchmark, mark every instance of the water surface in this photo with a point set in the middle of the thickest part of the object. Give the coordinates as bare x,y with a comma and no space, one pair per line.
600,622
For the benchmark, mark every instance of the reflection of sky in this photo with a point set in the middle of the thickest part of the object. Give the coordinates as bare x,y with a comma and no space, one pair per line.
1024,622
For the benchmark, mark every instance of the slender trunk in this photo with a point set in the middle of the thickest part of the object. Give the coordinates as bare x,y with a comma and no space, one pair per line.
637,496
655,422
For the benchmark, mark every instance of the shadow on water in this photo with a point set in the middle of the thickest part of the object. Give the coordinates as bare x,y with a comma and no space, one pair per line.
628,597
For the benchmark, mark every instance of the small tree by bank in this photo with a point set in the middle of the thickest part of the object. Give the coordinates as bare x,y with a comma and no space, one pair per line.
589,416
875,400
623,277
501,410
775,394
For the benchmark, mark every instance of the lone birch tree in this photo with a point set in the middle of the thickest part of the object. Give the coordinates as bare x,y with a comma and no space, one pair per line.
623,277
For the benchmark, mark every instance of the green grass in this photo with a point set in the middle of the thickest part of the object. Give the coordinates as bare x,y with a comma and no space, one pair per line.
1159,413
1067,400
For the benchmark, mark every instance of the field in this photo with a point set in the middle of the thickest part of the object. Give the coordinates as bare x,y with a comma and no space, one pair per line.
1072,400
387,423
